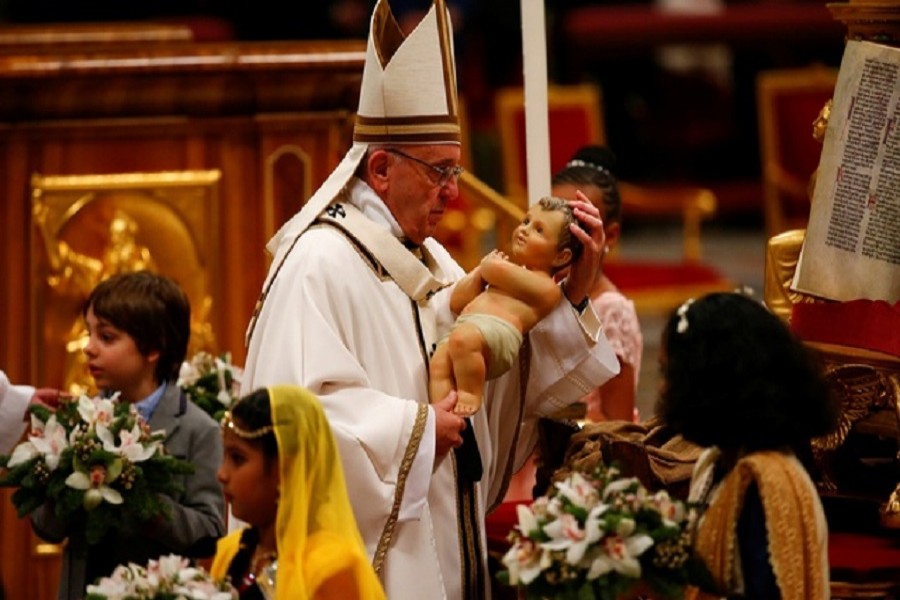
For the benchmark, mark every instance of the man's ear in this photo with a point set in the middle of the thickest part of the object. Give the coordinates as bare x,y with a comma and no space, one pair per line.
563,257
378,167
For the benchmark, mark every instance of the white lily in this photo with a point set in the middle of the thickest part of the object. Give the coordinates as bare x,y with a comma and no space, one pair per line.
131,446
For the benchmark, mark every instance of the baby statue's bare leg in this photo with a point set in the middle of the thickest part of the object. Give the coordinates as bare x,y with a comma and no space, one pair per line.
467,352
440,374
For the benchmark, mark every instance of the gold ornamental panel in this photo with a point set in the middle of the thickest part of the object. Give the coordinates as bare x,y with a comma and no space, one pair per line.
89,227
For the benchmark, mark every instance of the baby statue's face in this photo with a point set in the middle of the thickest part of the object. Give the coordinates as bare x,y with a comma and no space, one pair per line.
535,241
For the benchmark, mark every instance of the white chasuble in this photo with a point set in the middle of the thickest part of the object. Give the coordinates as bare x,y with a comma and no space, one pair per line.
335,322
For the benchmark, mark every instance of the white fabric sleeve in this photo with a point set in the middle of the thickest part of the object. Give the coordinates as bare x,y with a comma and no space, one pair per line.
14,401
419,479
566,367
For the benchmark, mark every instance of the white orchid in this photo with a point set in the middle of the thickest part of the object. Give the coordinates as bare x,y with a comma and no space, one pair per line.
48,439
97,411
94,485
567,534
589,536
169,576
672,512
212,382
619,485
132,446
525,561
188,374
579,491
83,455
620,554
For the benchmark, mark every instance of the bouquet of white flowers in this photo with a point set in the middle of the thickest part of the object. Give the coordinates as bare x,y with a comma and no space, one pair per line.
169,578
210,382
96,462
597,535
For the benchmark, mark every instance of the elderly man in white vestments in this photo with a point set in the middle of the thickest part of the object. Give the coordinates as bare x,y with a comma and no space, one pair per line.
356,298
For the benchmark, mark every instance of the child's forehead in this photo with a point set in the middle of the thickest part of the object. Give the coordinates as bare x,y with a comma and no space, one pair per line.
234,441
101,321
537,212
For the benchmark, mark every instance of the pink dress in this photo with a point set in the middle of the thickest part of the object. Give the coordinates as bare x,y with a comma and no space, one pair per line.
622,329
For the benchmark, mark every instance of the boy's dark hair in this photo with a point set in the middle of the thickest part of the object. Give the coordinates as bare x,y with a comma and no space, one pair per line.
153,310
253,412
595,166
736,377
567,239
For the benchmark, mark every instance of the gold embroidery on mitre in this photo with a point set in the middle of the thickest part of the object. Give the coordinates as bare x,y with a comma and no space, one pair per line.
408,92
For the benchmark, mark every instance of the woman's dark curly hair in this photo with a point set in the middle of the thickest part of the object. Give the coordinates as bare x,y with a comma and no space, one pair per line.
734,376
595,166
252,412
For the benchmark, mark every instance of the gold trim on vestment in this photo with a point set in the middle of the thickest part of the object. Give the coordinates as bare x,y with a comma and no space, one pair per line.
789,504
412,449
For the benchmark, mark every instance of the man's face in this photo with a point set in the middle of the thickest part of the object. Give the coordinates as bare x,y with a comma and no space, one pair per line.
414,192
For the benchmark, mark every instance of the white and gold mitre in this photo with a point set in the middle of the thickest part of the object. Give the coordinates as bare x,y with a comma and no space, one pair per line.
408,96
408,92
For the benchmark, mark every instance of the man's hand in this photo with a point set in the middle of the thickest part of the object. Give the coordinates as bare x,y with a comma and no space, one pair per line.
448,426
584,272
47,397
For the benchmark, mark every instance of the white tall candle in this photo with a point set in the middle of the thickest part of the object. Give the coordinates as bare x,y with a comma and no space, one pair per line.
537,129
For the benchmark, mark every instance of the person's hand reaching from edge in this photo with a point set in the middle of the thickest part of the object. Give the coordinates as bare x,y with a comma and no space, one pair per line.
583,273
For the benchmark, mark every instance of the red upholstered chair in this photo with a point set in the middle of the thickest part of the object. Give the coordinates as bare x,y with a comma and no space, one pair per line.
575,120
575,114
788,102
864,565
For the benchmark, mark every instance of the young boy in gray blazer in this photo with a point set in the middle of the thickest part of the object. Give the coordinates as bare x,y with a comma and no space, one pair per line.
139,325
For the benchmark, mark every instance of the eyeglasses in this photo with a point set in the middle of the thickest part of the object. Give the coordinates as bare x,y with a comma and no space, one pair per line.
444,174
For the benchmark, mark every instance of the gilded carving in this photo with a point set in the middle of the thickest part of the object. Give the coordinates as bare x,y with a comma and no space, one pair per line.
88,228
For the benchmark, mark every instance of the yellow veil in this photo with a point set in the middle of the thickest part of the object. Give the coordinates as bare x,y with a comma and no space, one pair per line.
321,554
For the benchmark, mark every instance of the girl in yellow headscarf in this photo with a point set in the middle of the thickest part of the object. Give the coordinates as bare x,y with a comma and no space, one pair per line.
281,473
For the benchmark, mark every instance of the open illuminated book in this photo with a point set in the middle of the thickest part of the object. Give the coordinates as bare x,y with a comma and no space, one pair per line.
852,245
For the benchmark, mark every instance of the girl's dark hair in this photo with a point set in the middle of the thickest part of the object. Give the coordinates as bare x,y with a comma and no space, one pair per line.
150,308
253,412
596,166
734,376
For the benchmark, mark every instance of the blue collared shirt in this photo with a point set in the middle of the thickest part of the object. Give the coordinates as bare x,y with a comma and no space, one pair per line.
147,406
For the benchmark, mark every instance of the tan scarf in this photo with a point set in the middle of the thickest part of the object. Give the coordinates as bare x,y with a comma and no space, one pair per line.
789,503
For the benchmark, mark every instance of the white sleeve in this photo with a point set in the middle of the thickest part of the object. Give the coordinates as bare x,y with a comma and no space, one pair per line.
568,359
14,401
